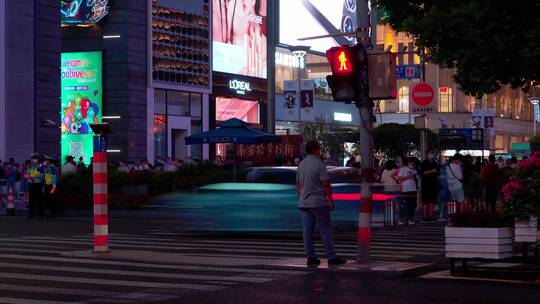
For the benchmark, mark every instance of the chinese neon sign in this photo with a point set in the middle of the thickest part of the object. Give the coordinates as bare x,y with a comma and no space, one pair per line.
83,11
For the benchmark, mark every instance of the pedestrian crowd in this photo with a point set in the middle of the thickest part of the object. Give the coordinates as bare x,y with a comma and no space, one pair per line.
33,182
441,185
161,164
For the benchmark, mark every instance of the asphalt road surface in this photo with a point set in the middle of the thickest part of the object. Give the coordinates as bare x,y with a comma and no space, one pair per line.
155,261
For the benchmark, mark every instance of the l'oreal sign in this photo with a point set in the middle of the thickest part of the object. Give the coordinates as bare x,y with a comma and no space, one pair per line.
240,87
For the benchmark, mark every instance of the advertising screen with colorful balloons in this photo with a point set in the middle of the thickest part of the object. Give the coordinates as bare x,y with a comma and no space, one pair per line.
81,106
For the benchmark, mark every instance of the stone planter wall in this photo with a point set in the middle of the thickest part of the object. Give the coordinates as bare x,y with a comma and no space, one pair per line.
527,231
487,243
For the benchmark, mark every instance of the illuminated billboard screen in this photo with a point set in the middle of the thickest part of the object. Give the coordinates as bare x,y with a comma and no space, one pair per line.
308,18
246,110
81,95
83,11
239,37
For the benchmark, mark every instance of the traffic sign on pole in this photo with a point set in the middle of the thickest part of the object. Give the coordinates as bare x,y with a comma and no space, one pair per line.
408,71
422,97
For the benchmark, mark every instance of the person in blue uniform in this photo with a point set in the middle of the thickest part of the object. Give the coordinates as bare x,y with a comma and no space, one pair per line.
49,188
36,176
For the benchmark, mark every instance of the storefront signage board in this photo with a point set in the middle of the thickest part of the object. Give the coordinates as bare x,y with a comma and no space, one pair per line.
81,102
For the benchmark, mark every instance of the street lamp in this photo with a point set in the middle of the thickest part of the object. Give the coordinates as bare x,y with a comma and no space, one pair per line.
299,52
535,102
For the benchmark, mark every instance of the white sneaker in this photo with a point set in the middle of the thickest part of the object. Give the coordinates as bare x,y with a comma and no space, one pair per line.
401,223
411,223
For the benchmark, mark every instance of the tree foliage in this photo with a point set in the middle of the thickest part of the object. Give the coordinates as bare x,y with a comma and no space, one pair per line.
395,139
535,142
489,42
331,137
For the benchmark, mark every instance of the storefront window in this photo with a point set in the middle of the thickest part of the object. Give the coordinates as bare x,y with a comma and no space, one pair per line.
446,100
284,73
177,103
403,97
196,104
499,142
160,136
160,102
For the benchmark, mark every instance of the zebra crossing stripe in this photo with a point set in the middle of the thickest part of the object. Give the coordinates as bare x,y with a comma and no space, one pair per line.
302,254
265,245
13,249
30,245
172,242
137,273
196,247
149,265
106,282
63,291
9,300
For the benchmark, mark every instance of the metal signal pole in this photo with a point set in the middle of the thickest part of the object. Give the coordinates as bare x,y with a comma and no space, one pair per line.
365,108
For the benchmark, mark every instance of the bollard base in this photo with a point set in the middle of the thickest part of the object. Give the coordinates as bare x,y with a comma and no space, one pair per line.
101,249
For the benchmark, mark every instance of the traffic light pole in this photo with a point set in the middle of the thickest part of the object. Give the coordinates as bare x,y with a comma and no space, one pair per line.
366,146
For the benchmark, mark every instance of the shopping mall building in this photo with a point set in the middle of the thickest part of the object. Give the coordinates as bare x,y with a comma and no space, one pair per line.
161,70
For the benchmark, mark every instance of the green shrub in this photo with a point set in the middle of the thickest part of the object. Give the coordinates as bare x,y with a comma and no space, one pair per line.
127,201
117,179
75,190
535,142
161,182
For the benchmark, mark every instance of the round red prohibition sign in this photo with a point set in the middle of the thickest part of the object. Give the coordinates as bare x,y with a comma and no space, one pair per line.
422,94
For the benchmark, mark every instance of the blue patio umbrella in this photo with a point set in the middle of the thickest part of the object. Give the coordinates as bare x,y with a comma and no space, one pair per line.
232,131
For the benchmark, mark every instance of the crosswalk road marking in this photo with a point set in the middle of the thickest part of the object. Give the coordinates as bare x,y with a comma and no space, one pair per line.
33,269
9,300
107,282
271,249
138,273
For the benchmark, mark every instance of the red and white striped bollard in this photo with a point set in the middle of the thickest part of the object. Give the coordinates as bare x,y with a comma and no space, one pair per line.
10,202
101,215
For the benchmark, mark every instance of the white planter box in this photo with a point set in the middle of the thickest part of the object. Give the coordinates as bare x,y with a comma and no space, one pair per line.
527,231
486,243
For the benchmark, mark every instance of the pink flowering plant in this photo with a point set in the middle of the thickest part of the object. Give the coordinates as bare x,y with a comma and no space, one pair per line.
521,195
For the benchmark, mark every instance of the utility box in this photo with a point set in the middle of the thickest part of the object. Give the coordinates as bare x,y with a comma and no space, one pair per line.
382,76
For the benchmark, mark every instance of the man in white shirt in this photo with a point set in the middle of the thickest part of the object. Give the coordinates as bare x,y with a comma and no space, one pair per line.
69,167
407,177
315,203
454,176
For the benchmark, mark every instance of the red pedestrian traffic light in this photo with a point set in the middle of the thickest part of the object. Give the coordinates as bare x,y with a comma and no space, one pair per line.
341,59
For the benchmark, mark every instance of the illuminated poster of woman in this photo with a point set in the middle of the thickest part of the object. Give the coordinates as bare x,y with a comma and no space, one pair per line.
239,29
